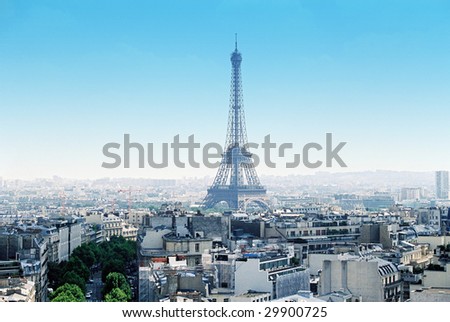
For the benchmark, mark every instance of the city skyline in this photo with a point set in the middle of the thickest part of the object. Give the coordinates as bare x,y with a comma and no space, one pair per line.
76,76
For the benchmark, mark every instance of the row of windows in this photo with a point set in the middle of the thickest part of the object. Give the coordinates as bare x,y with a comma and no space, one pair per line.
273,264
388,280
108,225
391,293
263,299
323,232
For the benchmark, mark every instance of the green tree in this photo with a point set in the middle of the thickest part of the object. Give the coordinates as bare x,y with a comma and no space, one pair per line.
65,297
68,293
117,248
85,254
116,295
124,248
55,274
116,280
114,256
77,266
113,265
71,277
95,250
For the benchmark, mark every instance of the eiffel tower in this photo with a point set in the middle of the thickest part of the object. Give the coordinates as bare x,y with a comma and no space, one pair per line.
236,181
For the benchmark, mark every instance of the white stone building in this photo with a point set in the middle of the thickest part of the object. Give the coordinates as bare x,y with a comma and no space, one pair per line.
368,279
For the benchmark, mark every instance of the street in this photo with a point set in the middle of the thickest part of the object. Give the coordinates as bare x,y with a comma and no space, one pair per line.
95,288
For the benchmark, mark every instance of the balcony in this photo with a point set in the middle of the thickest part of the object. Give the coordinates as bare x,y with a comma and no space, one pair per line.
393,284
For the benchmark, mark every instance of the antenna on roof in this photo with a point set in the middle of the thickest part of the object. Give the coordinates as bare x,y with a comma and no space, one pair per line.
235,41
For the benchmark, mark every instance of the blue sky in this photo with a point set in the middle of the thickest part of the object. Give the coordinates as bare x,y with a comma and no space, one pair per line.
75,75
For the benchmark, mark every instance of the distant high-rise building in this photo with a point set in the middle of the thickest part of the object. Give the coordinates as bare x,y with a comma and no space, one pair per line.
442,184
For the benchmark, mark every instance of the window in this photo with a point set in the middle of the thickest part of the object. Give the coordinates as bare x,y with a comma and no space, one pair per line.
197,247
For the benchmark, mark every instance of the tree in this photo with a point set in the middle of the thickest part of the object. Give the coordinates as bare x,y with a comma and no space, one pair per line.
95,250
85,254
68,293
125,248
77,266
114,256
56,273
116,295
113,265
116,280
116,248
71,277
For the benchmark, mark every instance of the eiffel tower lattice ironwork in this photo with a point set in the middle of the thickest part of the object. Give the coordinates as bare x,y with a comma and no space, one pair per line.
236,180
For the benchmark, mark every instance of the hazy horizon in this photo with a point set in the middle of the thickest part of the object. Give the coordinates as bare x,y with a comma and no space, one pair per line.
210,177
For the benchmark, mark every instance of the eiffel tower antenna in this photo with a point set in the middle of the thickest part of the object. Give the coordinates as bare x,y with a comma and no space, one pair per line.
236,181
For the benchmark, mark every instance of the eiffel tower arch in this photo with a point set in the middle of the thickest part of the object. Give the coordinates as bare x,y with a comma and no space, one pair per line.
236,179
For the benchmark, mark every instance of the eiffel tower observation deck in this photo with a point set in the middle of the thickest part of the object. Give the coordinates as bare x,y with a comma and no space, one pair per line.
236,181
